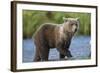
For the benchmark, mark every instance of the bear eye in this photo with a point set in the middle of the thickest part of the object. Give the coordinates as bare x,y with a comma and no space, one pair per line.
72,24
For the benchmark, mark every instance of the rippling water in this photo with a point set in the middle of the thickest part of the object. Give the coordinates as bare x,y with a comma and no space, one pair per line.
80,49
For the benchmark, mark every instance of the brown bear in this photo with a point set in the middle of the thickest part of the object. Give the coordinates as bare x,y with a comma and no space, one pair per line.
58,36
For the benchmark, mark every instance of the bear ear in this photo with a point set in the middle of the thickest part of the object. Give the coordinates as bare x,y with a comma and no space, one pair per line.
65,19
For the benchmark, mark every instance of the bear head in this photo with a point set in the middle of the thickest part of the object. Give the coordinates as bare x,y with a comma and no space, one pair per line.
70,25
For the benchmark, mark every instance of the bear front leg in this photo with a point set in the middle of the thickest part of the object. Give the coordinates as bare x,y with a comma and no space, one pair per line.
68,53
65,53
62,56
66,46
44,54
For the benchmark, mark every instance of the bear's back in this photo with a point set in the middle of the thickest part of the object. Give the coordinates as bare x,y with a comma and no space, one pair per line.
46,33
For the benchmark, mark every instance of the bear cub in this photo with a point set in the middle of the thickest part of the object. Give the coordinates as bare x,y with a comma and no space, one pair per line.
58,36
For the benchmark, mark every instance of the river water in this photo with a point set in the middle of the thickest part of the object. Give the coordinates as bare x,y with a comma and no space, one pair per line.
80,49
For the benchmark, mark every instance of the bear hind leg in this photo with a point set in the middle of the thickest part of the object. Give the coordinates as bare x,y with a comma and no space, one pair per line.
37,56
45,54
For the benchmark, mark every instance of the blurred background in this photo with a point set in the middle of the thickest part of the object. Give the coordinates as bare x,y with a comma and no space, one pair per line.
33,19
80,46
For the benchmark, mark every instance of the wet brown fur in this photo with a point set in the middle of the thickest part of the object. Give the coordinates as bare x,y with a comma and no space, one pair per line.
49,36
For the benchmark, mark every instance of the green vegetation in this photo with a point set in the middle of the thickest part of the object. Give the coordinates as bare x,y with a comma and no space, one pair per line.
33,19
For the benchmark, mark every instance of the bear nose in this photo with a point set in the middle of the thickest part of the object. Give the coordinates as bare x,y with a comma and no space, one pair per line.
75,29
